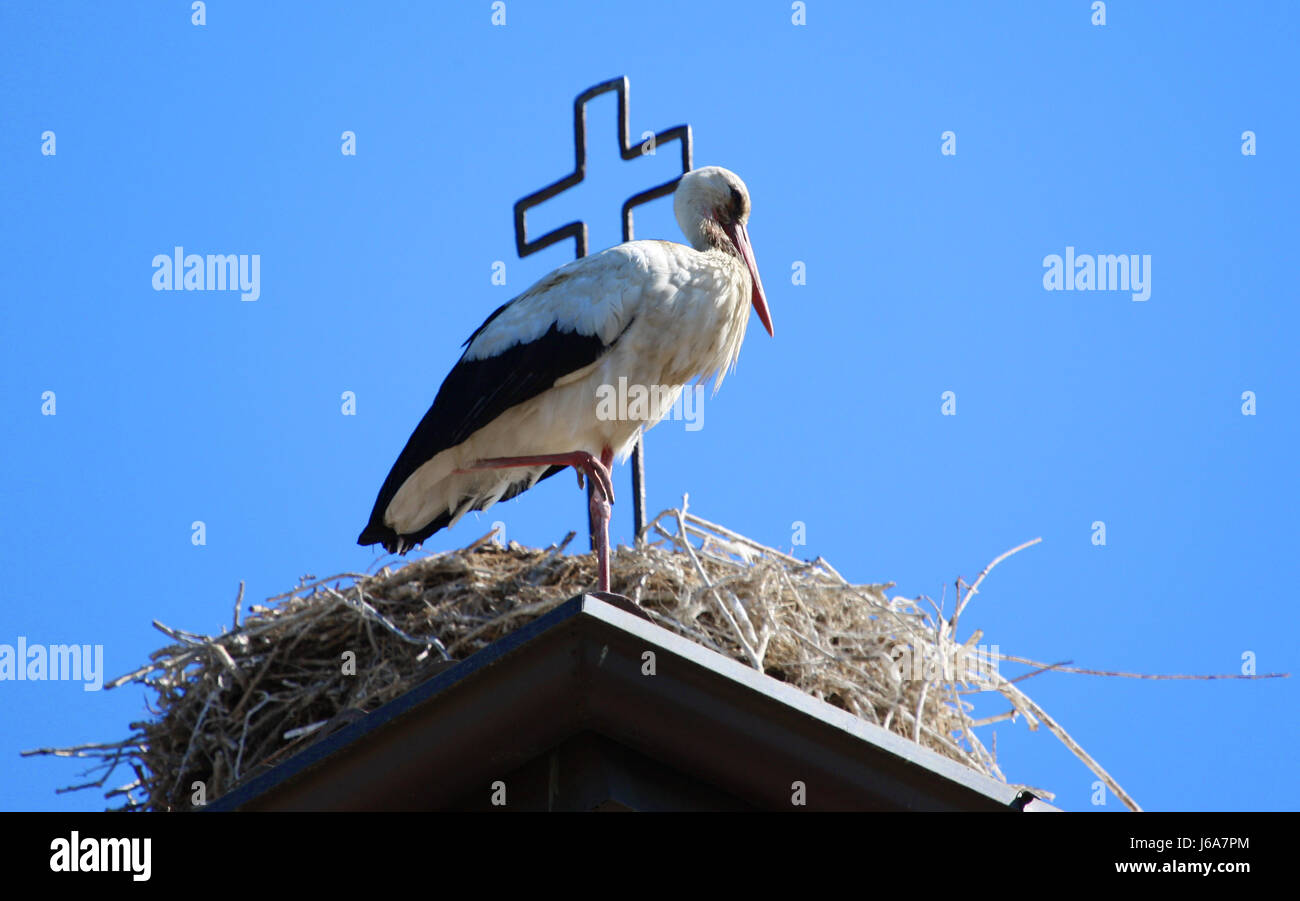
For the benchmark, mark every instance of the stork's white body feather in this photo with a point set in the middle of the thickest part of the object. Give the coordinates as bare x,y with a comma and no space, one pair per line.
672,314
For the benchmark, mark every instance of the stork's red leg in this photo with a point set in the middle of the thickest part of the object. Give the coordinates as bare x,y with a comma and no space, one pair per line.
600,516
601,498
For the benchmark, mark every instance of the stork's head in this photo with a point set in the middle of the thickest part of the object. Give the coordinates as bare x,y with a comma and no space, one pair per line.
712,207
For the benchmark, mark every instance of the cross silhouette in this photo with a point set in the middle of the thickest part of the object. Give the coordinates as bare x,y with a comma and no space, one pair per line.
578,230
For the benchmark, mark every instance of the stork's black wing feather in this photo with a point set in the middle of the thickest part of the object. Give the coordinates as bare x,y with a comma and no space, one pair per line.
474,393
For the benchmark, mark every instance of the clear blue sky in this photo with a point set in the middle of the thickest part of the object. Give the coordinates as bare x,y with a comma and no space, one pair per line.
924,275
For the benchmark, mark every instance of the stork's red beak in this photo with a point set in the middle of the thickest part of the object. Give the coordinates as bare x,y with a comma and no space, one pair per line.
740,238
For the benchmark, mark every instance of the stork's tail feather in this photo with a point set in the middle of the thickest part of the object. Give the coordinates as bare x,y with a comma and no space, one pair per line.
378,532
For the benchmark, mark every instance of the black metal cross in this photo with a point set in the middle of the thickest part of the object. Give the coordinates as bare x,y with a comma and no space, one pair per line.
578,230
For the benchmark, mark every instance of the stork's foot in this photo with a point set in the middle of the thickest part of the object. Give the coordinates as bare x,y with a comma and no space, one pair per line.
579,460
622,602
602,495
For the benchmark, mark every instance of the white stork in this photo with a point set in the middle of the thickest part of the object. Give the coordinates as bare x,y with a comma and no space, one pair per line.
521,404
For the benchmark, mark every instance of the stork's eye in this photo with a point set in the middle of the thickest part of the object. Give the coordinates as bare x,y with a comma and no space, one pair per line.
737,204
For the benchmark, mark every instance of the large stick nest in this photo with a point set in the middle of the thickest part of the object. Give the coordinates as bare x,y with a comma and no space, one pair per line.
230,706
